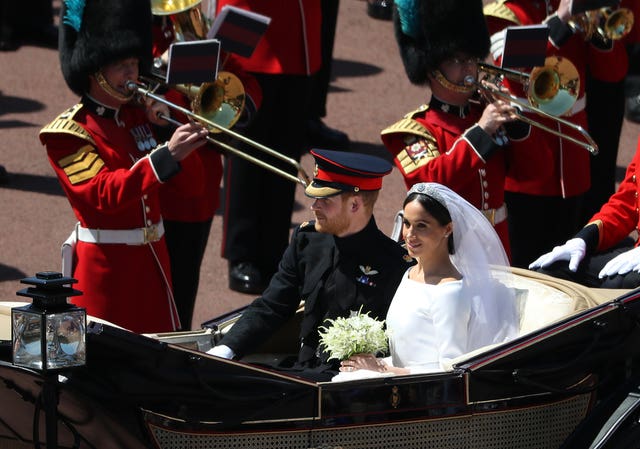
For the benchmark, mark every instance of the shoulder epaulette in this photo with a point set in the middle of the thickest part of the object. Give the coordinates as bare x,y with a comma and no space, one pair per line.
501,11
64,123
419,146
409,126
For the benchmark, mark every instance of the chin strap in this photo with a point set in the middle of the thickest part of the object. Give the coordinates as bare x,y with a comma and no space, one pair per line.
444,82
104,84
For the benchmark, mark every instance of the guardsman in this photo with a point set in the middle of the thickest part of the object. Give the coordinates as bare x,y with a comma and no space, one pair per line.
337,264
111,165
602,254
547,174
258,203
453,140
188,218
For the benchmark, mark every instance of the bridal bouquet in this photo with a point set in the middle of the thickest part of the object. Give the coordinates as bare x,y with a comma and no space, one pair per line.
354,335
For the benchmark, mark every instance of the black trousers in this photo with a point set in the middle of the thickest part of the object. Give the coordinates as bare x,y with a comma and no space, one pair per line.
605,115
538,223
186,242
258,203
322,79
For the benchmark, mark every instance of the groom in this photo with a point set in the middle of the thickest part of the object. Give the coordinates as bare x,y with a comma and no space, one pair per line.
339,263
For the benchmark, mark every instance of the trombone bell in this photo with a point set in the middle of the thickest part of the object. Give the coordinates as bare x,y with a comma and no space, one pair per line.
554,88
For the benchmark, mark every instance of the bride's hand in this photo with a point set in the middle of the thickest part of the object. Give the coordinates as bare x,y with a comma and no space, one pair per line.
363,361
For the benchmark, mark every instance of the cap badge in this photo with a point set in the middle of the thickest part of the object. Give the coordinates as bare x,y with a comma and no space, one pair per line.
365,279
315,170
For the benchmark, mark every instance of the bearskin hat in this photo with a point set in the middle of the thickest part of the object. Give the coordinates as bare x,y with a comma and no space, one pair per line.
94,33
430,31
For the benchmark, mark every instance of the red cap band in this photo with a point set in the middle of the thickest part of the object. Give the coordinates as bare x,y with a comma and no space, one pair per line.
355,181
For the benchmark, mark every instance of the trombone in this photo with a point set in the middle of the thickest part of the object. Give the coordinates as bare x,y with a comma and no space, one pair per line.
212,126
547,95
605,23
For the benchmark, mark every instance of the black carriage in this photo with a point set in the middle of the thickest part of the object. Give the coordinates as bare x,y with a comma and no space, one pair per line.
565,381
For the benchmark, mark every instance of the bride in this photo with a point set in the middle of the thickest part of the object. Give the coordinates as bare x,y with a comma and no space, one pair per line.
452,301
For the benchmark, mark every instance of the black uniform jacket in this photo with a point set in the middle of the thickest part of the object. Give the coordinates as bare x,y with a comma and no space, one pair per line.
333,275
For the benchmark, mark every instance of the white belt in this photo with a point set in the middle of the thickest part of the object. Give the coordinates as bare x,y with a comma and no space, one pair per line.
496,216
138,236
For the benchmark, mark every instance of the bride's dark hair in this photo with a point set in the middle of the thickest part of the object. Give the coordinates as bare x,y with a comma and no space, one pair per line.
436,209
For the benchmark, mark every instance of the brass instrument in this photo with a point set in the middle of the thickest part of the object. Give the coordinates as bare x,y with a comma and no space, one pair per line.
552,88
214,127
220,101
604,23
548,91
186,18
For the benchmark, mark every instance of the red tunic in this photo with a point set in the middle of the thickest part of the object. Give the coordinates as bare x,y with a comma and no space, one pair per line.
291,44
619,216
176,205
449,157
542,163
111,184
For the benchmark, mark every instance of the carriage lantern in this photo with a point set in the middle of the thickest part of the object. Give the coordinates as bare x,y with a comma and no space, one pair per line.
49,334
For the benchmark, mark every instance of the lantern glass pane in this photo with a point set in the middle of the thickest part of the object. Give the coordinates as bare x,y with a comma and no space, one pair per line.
66,339
26,339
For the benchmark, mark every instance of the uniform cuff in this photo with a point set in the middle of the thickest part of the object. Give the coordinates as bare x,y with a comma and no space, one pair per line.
559,32
482,142
591,235
163,163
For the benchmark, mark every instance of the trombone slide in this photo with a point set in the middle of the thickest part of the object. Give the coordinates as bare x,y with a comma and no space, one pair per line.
304,180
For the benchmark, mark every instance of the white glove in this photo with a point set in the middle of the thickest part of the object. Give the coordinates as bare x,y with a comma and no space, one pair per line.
622,263
223,351
573,250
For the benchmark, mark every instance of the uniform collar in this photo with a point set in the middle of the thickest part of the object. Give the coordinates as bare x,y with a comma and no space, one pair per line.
359,241
439,105
99,108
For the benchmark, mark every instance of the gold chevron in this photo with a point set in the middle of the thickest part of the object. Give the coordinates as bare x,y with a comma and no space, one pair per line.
82,165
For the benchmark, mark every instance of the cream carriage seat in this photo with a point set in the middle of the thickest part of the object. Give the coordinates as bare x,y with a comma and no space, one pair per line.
543,300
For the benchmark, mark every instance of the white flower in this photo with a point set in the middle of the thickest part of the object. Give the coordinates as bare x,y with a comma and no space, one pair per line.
357,334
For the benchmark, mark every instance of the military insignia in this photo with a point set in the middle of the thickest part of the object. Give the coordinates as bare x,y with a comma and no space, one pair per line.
144,137
407,258
100,110
365,279
315,170
82,165
416,148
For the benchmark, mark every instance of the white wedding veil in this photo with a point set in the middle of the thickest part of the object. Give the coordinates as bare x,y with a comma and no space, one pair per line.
480,257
